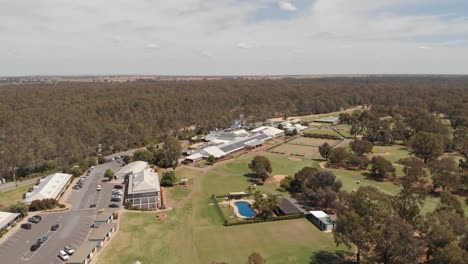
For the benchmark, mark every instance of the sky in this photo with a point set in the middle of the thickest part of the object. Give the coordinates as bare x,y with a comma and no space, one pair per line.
233,37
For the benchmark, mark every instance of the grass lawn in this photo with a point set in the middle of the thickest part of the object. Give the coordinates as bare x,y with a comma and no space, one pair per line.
344,129
177,192
194,233
13,196
391,153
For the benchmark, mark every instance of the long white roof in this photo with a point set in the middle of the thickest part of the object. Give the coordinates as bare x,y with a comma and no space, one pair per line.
215,151
134,167
6,217
318,214
272,131
49,187
144,181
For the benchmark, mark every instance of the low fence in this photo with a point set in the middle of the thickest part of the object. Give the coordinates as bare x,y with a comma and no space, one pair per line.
227,222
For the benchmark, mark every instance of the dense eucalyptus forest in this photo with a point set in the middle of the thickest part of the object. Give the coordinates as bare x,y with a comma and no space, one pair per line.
47,125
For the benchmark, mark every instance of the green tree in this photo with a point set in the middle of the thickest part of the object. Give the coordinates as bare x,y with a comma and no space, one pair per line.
168,179
265,205
261,166
361,147
20,208
109,174
324,150
101,160
211,159
256,258
171,152
445,174
382,168
427,146
450,253
142,155
415,171
338,155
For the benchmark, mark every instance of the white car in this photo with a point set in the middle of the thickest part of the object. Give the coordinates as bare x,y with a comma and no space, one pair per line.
69,250
63,255
99,187
115,191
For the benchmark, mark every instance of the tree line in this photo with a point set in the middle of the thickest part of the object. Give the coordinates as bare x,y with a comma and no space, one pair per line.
44,126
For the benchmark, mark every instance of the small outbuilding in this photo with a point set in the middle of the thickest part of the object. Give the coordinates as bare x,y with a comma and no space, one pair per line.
105,216
322,220
7,219
286,207
84,253
102,233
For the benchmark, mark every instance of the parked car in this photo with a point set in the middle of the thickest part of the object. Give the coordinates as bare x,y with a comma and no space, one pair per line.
116,196
99,187
92,205
42,240
115,199
63,255
119,192
35,246
77,187
114,206
35,219
54,227
26,226
69,250
118,186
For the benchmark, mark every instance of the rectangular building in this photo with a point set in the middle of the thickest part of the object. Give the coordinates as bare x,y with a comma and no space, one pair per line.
7,219
143,190
322,220
51,186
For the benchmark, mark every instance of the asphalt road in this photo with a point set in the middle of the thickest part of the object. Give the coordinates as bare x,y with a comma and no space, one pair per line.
4,187
75,224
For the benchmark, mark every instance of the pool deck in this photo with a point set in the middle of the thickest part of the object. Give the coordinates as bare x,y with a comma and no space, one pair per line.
236,210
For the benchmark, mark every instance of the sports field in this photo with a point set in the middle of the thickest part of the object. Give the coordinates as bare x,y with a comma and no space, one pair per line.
314,142
296,150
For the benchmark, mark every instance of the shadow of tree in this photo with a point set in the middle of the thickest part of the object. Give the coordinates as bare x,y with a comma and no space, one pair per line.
325,257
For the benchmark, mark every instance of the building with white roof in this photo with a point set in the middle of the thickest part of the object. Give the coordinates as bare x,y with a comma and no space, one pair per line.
135,166
7,219
51,186
212,151
143,190
322,220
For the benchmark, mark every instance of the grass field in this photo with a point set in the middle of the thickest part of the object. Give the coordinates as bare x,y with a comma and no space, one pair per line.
321,132
296,150
344,129
315,142
177,192
194,233
13,196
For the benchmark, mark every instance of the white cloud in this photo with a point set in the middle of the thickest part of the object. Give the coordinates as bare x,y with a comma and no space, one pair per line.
152,46
382,40
286,6
425,47
243,45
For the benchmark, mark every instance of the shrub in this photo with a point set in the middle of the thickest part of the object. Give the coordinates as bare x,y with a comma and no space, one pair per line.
168,179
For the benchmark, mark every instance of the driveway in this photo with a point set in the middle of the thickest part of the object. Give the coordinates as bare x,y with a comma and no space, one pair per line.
75,224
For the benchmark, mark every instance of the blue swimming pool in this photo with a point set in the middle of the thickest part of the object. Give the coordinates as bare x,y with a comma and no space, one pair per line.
245,209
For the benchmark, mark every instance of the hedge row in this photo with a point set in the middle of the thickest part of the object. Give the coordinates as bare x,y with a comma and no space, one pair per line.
253,221
213,198
324,136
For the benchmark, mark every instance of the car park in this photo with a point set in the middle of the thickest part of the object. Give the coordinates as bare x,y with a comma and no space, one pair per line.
69,250
54,227
42,240
114,206
63,255
35,246
99,187
26,226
